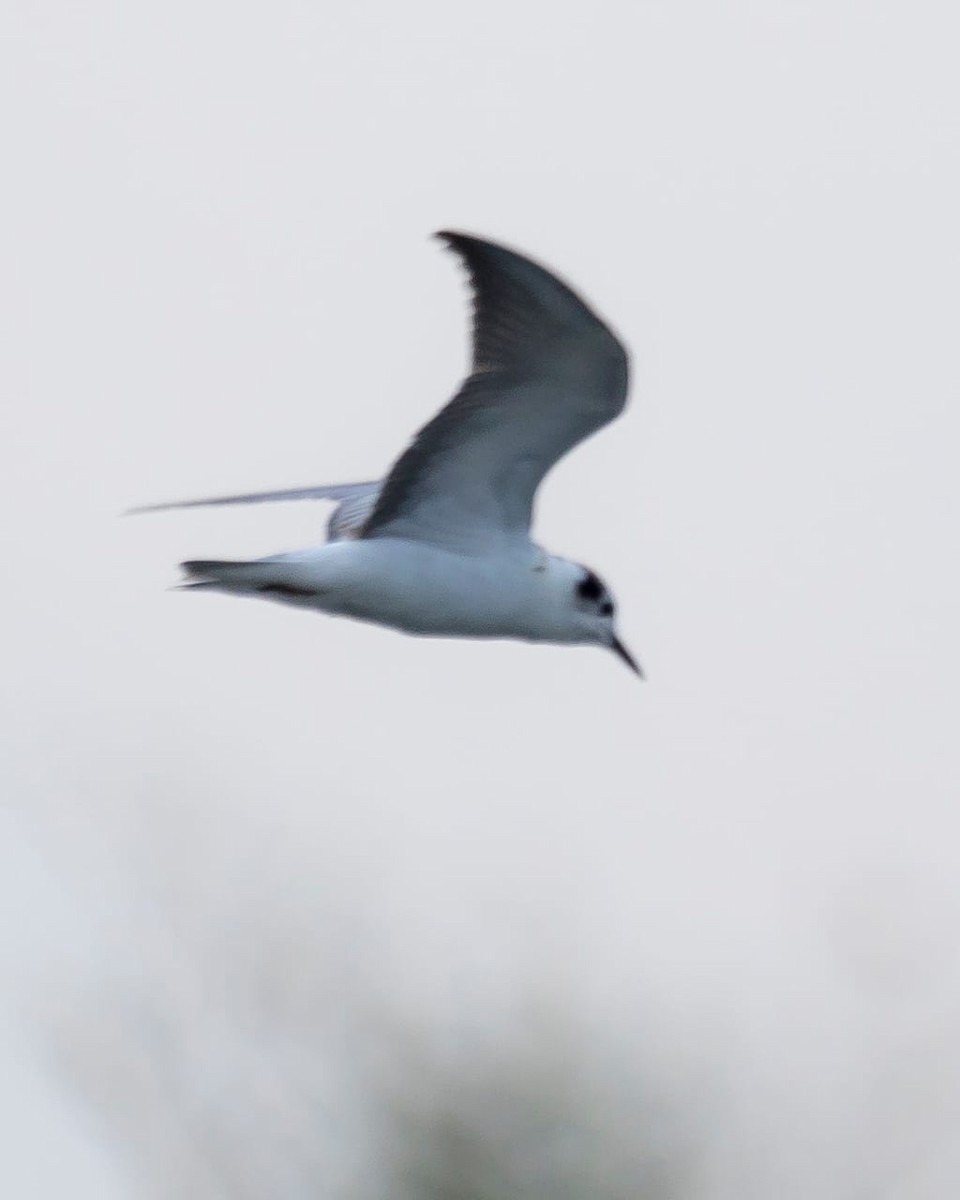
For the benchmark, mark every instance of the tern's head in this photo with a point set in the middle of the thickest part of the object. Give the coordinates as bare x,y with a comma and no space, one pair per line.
592,613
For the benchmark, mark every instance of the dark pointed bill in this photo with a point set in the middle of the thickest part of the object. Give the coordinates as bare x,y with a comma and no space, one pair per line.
622,652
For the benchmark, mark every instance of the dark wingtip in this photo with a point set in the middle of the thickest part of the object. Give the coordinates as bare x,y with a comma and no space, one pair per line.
461,243
449,235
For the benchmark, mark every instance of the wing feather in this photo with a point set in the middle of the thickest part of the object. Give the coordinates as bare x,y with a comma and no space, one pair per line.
356,502
546,373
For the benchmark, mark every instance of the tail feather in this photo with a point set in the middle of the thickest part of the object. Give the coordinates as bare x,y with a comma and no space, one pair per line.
224,571
261,577
203,585
212,573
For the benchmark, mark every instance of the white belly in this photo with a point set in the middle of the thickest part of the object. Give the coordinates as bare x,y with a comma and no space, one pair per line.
420,589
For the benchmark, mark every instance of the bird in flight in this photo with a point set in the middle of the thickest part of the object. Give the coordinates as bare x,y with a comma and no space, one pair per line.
442,547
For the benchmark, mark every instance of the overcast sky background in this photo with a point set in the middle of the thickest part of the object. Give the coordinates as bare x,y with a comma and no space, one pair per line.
248,853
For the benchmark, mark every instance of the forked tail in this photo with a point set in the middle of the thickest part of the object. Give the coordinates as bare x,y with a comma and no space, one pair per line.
242,579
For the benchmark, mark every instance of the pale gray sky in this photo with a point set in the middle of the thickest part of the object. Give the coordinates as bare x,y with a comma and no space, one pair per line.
743,873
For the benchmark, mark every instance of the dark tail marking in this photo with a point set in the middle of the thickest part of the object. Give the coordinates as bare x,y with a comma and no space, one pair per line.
286,591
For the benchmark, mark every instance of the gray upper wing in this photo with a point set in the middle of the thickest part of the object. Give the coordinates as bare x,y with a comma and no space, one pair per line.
546,373
356,503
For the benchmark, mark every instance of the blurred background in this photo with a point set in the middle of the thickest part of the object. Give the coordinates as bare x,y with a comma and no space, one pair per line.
295,907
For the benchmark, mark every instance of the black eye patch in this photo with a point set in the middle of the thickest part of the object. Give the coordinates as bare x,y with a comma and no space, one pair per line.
590,587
